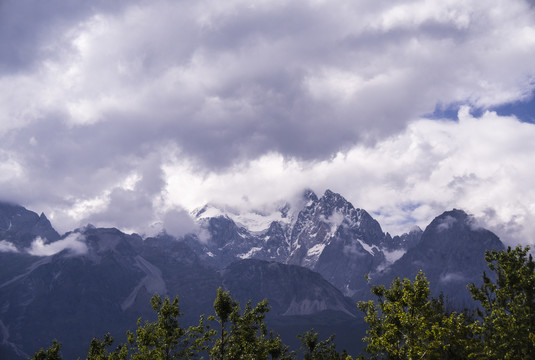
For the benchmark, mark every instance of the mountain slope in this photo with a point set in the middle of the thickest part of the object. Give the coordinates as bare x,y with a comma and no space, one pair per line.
327,235
450,253
294,290
76,296
305,261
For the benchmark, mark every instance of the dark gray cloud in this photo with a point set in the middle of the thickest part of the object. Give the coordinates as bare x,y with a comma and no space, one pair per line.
29,29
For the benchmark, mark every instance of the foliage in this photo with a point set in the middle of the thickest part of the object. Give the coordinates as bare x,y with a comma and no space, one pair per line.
165,339
98,348
507,314
404,321
244,335
52,353
407,323
318,350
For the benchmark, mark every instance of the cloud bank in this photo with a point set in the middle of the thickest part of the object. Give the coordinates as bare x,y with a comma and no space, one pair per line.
74,243
120,114
479,164
6,246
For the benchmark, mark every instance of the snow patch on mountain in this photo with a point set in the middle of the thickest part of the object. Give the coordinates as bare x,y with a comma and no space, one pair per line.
372,250
315,251
254,221
250,253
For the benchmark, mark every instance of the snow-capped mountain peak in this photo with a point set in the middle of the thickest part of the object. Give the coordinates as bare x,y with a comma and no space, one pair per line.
253,220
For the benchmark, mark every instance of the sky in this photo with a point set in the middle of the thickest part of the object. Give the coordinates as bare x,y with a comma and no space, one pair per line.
135,113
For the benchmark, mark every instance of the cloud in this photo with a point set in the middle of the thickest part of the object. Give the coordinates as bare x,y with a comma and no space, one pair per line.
178,222
6,246
117,113
475,164
74,243
28,29
236,81
446,223
452,277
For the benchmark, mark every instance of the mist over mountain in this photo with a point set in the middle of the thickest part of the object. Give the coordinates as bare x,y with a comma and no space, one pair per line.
309,261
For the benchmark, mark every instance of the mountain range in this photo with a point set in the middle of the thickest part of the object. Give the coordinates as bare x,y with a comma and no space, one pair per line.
309,261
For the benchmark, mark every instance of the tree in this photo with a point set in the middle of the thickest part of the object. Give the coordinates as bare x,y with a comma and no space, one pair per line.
244,335
407,323
224,306
165,339
98,348
507,306
318,350
51,353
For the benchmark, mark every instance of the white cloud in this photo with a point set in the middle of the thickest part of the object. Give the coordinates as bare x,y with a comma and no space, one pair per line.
6,246
139,108
446,223
74,243
475,164
178,222
452,277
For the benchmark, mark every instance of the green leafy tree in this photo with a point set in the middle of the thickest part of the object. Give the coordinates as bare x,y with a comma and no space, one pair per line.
98,348
165,339
507,306
224,306
407,323
314,349
244,335
51,353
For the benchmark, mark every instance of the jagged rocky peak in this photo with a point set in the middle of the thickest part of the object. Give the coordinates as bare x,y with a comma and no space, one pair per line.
404,241
44,228
327,204
310,196
20,226
332,203
223,230
334,200
339,241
